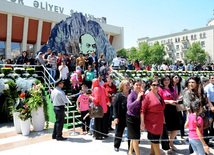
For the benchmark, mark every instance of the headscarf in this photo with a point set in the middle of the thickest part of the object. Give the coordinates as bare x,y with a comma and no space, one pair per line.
40,59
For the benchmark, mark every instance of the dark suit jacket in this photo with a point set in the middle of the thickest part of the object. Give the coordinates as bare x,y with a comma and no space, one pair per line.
91,60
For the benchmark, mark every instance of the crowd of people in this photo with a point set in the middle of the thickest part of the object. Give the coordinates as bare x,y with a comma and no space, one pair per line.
120,63
155,105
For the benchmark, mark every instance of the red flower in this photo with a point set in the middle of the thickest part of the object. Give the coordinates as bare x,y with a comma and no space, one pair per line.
22,95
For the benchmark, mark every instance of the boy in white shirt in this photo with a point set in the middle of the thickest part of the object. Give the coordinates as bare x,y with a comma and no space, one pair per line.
64,74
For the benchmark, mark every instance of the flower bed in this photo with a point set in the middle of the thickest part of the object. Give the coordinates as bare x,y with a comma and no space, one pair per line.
148,74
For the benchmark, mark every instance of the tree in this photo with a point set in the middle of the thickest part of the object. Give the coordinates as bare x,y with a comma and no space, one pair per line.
196,53
157,53
144,53
123,52
133,54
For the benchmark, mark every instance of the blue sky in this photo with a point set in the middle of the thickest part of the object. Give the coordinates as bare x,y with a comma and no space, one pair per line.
142,18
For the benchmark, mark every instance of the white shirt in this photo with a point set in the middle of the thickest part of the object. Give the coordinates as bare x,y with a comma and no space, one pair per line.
116,62
64,72
209,89
58,97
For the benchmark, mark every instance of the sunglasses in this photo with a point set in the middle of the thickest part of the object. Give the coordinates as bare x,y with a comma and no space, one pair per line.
158,85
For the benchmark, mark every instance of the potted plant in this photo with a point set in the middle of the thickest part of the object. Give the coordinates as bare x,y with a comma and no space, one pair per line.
31,71
6,71
19,71
36,103
25,115
16,111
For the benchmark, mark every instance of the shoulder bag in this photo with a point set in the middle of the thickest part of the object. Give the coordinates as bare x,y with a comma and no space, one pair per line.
96,112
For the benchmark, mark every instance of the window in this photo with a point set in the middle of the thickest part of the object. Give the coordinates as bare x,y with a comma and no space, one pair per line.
186,37
182,55
164,41
176,40
192,37
202,43
204,35
177,55
195,36
177,47
15,49
2,49
170,55
185,46
183,38
200,35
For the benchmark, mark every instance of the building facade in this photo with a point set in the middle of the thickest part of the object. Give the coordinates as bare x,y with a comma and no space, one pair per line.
176,44
24,26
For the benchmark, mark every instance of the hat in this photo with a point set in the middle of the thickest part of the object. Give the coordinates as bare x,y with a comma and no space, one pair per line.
49,48
80,53
78,71
39,53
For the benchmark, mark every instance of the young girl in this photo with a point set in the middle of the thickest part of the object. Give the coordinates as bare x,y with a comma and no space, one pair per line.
195,125
83,109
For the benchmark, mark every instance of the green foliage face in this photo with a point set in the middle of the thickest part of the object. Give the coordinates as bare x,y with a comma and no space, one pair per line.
196,53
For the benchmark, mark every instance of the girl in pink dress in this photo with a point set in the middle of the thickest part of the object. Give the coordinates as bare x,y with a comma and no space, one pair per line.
195,125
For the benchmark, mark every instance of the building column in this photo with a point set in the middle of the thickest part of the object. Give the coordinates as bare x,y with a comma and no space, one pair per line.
9,37
23,46
52,25
37,46
108,36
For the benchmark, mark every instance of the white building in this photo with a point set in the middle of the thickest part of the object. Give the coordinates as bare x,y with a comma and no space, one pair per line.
176,44
25,26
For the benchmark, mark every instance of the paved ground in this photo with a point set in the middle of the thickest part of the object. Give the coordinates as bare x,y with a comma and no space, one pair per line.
40,143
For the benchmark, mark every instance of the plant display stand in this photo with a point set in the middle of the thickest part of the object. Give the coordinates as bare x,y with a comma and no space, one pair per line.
38,119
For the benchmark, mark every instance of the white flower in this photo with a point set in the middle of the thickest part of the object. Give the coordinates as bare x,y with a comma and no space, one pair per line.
1,75
17,68
6,86
6,80
23,84
26,74
2,86
35,75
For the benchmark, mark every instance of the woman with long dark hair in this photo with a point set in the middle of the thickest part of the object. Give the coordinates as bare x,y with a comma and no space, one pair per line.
196,92
169,95
22,59
176,81
137,65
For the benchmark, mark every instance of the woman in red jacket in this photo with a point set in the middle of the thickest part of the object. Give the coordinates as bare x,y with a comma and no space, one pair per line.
152,116
100,98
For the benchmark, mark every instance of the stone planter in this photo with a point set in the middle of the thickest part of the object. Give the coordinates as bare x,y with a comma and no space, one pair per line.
25,127
17,122
38,119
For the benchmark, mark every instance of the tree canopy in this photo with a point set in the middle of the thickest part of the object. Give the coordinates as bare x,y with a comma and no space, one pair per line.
196,53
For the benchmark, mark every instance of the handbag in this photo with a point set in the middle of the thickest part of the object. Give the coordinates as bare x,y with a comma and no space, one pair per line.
96,112
165,138
180,107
